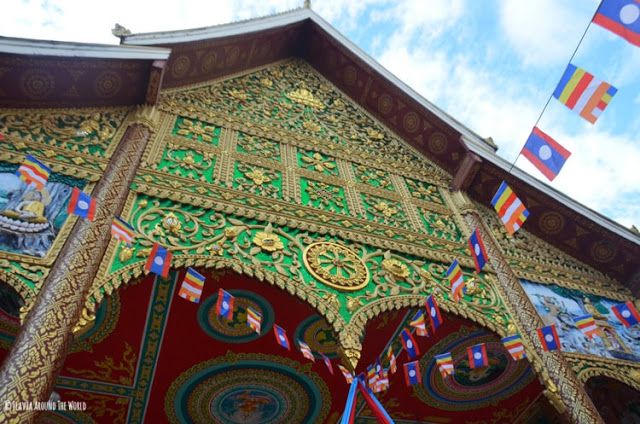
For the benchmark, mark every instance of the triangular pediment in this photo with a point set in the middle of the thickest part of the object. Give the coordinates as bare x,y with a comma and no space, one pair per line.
290,101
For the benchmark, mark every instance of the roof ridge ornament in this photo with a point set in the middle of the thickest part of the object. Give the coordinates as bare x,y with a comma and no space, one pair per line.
307,4
120,31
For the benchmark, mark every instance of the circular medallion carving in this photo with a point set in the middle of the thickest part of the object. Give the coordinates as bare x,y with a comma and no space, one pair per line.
233,53
349,75
181,66
108,83
235,330
37,83
551,222
411,122
208,62
385,104
471,388
336,266
437,143
247,389
603,251
318,335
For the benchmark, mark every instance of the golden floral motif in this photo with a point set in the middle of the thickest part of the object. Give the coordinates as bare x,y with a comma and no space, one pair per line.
311,126
196,129
316,161
216,249
171,223
386,209
258,177
336,266
306,98
374,134
268,241
232,232
239,95
266,82
395,267
126,253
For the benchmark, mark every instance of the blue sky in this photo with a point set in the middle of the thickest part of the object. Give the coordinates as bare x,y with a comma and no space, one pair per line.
492,64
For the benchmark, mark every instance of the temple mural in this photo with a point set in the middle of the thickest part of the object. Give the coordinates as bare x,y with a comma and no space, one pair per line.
558,305
30,219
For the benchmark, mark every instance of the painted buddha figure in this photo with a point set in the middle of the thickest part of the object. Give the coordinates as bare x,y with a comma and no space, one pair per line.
28,215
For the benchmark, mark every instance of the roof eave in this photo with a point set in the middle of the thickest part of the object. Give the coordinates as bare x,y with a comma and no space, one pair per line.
29,47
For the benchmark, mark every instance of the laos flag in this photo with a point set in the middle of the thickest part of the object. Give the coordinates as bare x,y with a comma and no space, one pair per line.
281,337
409,344
478,252
412,373
478,356
434,312
545,153
224,304
82,204
549,338
622,17
159,261
626,313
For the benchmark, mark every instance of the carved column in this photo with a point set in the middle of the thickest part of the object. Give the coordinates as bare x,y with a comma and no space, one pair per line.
563,388
37,355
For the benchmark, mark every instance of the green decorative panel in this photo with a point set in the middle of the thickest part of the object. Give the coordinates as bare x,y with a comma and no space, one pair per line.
258,146
442,226
187,161
257,180
424,191
281,255
323,196
373,177
385,211
316,161
195,130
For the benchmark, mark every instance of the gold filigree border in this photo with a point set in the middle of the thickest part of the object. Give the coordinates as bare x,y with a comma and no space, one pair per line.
588,366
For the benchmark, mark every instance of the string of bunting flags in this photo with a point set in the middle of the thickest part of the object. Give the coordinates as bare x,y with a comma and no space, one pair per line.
578,90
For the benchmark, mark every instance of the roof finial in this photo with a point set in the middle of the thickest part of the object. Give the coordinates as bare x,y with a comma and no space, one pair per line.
307,4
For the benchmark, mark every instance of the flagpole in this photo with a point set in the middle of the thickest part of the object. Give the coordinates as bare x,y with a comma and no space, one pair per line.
551,96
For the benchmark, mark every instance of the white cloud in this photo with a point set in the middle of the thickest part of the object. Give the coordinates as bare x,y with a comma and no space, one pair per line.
544,32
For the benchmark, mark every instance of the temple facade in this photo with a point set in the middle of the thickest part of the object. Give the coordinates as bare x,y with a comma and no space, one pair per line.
290,169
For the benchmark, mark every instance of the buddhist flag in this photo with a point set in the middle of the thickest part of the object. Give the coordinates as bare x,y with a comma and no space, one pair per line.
582,92
372,376
621,17
224,304
412,373
454,274
445,364
549,338
191,288
159,261
34,171
545,153
306,351
434,312
509,207
392,360
382,383
587,325
409,343
281,337
626,313
254,319
418,322
121,230
478,356
478,252
514,346
327,362
82,205
347,375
